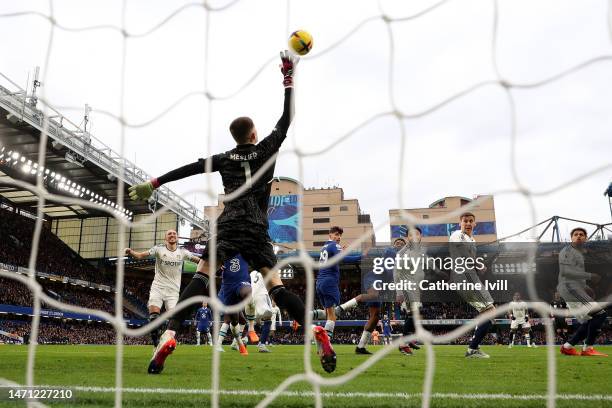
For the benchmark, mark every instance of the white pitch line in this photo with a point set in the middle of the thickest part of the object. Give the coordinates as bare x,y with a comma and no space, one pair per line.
310,394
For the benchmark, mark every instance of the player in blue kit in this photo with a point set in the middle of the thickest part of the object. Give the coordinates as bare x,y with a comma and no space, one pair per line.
235,286
203,318
387,332
328,291
371,297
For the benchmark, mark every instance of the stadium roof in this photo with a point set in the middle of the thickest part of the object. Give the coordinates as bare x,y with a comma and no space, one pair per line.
22,140
76,164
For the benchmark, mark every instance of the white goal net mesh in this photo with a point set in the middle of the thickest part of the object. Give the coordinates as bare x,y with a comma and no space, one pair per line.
208,13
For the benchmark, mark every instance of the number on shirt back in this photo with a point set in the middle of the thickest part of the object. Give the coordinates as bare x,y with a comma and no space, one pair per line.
247,172
323,257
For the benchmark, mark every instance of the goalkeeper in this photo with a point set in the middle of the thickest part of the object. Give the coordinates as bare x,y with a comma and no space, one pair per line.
243,224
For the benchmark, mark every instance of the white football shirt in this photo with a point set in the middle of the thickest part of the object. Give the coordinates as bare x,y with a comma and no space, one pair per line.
519,310
168,266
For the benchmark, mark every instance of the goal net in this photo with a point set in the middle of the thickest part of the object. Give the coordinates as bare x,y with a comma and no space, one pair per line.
393,116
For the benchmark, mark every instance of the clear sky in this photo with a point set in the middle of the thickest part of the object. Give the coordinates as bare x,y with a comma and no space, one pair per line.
564,129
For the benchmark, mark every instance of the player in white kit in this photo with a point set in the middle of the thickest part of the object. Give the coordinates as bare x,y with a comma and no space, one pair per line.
261,308
519,319
167,281
276,320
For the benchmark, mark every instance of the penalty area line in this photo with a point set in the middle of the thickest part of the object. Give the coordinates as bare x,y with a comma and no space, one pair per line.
310,394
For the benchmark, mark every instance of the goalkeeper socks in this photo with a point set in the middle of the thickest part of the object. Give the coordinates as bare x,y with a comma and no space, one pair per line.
329,328
265,332
512,339
222,333
366,336
197,287
289,301
408,325
580,334
479,334
594,327
155,333
349,305
528,338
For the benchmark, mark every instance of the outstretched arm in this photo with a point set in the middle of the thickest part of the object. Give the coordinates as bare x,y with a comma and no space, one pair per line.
273,142
138,255
144,190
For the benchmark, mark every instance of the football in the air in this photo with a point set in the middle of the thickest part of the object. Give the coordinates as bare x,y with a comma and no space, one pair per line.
300,42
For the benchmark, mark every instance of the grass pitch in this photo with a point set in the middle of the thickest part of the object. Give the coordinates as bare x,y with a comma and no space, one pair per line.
511,378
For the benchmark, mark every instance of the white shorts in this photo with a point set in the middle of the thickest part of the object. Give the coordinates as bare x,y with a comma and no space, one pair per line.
515,324
159,296
263,307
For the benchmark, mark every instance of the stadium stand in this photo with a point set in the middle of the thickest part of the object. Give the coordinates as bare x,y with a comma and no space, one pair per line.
54,255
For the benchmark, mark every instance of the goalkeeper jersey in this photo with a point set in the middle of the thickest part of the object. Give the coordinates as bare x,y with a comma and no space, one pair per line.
238,167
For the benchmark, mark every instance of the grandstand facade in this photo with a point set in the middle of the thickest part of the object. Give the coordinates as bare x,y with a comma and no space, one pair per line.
98,237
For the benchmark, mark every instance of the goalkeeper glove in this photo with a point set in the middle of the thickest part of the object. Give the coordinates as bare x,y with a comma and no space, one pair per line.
143,191
526,318
288,64
512,317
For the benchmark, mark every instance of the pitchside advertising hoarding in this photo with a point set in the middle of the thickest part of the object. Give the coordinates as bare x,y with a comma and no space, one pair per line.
283,220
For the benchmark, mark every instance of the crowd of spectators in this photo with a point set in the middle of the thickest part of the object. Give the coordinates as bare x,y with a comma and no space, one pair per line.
137,291
54,256
69,332
62,331
15,293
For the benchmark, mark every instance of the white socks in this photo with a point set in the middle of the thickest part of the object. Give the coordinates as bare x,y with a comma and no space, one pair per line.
349,305
237,332
329,327
366,336
319,314
222,333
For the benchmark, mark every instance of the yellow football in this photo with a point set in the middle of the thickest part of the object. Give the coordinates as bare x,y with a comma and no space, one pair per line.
300,42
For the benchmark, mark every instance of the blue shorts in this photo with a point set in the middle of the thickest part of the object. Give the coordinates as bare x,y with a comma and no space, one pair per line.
328,292
387,333
230,295
367,286
203,327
